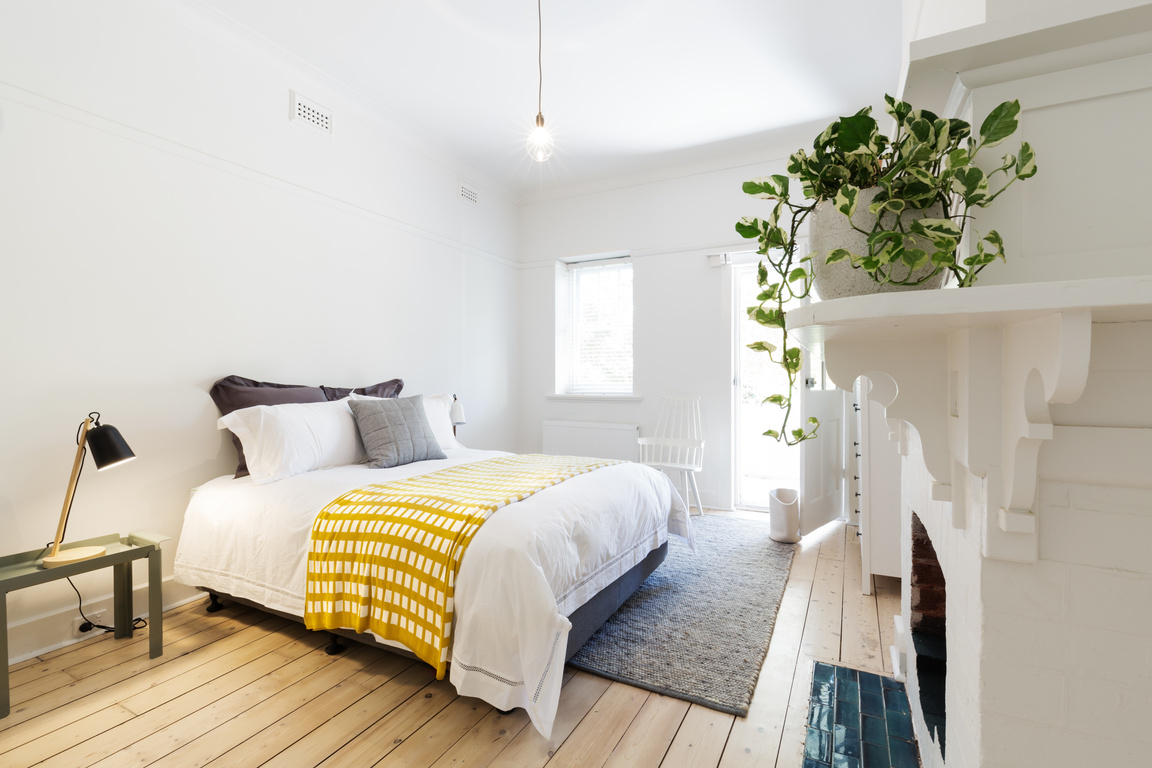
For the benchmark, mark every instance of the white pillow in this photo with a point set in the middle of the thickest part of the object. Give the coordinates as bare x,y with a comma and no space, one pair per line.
284,440
438,410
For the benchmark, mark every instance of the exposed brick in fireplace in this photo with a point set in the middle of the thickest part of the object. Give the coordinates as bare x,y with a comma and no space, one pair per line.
928,618
927,584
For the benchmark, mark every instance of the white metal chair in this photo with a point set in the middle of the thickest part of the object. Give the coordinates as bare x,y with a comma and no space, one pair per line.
678,444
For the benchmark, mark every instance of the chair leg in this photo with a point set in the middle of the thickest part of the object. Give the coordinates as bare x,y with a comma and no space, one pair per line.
692,477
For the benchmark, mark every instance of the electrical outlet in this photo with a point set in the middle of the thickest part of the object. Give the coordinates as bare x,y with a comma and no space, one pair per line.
96,617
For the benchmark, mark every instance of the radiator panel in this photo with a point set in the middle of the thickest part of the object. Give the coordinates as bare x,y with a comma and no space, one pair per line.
602,440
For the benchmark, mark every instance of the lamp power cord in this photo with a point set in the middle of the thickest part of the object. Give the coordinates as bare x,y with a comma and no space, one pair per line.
137,623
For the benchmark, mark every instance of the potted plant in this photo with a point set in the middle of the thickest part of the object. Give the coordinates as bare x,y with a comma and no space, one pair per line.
908,199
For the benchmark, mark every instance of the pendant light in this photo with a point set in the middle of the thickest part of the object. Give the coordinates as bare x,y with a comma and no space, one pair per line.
539,139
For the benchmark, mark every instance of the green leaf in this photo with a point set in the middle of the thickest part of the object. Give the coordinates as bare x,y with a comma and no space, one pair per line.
845,200
940,128
814,420
748,227
944,257
897,109
957,158
1025,162
775,237
921,129
798,433
896,206
857,135
958,130
930,227
970,184
915,258
1000,124
775,399
838,254
771,187
762,346
772,434
797,161
797,274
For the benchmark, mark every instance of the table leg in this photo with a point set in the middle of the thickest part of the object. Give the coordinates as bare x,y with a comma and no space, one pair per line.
122,598
5,701
155,606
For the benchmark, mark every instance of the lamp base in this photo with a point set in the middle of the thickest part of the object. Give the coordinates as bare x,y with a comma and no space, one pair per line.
74,555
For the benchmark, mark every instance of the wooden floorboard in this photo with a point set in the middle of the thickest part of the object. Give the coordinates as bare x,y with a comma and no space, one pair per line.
241,687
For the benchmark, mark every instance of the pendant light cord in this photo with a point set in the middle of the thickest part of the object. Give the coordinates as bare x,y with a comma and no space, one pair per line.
540,57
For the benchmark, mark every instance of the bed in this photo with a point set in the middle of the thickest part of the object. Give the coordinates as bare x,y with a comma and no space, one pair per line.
537,579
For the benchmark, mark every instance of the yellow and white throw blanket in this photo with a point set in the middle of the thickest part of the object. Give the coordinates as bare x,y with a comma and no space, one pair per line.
384,557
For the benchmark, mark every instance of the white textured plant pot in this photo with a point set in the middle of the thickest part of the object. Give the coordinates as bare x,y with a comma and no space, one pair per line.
829,229
784,509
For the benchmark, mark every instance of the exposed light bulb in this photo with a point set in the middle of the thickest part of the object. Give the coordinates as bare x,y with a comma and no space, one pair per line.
540,141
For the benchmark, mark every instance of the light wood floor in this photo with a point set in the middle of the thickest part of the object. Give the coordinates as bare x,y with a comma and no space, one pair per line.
243,688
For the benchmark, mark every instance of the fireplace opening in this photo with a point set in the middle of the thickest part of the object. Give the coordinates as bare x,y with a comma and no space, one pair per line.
927,620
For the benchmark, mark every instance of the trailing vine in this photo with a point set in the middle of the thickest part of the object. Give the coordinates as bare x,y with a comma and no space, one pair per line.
790,279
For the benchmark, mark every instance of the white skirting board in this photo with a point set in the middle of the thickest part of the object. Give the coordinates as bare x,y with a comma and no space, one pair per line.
48,632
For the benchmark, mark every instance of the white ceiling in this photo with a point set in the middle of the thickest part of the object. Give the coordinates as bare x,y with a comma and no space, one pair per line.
630,86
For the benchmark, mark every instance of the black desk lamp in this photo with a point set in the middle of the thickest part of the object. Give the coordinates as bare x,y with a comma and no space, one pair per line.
108,450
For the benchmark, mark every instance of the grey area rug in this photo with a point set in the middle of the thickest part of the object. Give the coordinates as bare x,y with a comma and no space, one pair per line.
698,628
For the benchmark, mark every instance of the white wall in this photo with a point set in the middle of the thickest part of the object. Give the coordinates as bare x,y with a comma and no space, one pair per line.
683,307
163,224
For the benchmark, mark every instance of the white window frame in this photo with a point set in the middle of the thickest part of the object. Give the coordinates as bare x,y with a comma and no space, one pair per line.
566,272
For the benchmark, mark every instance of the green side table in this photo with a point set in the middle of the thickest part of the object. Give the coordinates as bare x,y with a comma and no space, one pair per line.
26,569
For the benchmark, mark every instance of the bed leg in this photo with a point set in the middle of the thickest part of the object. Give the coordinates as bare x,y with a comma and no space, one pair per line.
506,712
334,645
214,603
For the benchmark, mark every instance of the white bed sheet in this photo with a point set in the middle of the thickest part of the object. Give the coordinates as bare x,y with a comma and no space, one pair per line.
528,567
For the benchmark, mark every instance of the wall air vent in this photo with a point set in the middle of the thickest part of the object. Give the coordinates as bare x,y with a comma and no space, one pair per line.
468,194
307,112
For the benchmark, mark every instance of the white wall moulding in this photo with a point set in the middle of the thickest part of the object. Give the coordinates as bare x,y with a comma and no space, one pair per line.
977,370
1006,49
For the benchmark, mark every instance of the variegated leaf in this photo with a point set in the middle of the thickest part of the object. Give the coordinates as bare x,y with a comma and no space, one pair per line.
845,200
1000,124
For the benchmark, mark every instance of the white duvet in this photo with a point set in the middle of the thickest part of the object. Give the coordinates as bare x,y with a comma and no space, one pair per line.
529,566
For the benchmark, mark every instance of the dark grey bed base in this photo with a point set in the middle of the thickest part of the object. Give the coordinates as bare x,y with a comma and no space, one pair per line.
585,620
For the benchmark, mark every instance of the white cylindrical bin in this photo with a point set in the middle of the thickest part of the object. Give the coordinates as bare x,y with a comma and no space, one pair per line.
784,508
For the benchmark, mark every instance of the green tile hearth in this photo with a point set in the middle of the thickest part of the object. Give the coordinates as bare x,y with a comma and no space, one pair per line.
858,720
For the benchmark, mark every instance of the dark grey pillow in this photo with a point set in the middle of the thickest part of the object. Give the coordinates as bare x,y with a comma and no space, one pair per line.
395,431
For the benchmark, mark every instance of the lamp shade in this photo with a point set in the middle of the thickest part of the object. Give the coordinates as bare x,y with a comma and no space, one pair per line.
457,413
108,447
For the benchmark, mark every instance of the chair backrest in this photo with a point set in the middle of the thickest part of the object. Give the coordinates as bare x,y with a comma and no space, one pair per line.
678,439
679,418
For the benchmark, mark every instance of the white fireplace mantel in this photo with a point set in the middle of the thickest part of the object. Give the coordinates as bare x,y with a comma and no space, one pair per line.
976,371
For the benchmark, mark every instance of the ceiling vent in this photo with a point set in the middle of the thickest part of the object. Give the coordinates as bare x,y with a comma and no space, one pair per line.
309,113
468,193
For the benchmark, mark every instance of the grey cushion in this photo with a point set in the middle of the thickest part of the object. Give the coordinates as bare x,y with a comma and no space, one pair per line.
395,431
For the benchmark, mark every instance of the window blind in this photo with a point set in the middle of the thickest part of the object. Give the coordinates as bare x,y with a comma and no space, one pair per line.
600,341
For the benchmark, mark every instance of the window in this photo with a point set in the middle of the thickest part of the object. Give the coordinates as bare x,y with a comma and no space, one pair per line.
594,327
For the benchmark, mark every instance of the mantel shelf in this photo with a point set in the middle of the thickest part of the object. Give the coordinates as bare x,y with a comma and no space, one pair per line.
930,313
1025,45
974,371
